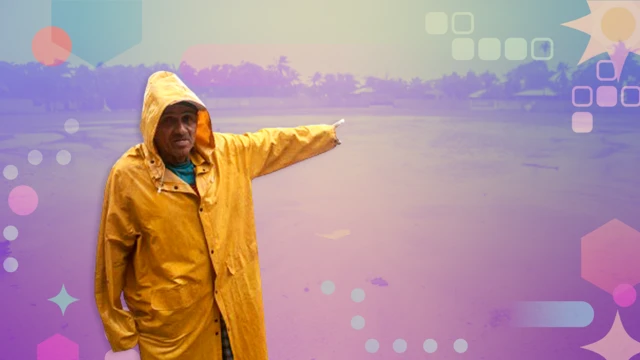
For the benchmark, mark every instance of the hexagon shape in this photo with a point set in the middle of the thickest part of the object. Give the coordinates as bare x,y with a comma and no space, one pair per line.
610,256
99,30
58,347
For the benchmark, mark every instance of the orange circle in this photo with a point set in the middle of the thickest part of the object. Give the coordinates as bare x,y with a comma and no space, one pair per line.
618,24
51,46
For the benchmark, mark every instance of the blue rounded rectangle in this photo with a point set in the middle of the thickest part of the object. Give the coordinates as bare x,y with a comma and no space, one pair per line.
552,314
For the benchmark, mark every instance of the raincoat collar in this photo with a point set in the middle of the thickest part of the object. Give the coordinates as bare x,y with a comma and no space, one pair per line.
164,89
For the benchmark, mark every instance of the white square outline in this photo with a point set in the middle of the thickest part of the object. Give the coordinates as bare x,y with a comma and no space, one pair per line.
573,96
453,23
533,49
598,71
622,96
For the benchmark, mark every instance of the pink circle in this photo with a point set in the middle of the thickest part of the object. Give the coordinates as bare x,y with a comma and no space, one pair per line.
624,295
23,200
51,46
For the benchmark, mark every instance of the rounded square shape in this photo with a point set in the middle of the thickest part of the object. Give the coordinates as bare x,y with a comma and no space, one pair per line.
515,49
489,49
582,122
599,70
463,49
607,96
436,23
535,42
622,97
471,23
573,96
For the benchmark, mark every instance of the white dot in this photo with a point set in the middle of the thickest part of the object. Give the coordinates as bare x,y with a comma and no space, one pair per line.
34,157
10,264
71,126
10,233
400,346
357,322
357,295
328,287
460,346
63,157
430,346
10,172
372,346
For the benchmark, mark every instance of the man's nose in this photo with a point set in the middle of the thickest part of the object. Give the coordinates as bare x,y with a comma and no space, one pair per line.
181,128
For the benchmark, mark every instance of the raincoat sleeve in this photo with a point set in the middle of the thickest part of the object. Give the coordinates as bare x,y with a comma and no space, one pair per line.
272,149
116,240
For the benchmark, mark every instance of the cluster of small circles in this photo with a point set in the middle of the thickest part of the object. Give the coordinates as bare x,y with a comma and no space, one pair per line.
429,346
10,264
399,345
10,172
63,157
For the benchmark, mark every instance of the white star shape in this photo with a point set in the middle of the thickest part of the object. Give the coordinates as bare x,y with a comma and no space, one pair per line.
614,28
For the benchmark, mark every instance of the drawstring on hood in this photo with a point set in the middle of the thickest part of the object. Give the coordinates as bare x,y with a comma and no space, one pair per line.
163,89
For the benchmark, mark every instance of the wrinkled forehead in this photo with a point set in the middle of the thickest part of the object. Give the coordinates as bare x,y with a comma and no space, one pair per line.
180,108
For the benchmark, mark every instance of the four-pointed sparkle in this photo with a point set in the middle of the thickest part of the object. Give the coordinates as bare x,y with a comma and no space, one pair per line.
617,344
63,299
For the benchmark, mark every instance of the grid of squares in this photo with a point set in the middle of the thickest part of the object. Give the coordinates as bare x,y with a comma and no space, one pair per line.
606,96
465,48
491,49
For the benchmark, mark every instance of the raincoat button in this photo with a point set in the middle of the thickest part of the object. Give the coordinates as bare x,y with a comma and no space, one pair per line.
175,188
216,333
201,209
215,320
153,161
212,251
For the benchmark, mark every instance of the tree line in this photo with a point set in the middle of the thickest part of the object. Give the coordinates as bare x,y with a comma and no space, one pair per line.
120,87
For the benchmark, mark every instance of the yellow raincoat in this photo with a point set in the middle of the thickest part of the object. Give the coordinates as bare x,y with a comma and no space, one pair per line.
183,260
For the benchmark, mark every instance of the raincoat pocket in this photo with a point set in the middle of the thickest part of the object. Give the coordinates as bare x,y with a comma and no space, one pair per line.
174,298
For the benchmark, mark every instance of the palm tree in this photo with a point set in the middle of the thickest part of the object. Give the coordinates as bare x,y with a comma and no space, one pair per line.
561,81
416,87
488,79
315,79
545,46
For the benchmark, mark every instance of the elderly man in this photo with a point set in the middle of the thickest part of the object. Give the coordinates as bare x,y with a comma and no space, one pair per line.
177,234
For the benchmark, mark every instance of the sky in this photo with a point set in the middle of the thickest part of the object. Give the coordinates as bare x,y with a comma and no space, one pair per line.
363,37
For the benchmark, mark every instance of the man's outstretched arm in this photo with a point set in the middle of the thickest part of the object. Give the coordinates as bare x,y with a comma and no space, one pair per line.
272,149
116,240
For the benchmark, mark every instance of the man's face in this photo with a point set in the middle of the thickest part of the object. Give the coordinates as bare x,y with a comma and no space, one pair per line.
175,135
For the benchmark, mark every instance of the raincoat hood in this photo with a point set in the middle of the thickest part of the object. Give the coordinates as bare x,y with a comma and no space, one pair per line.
164,89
